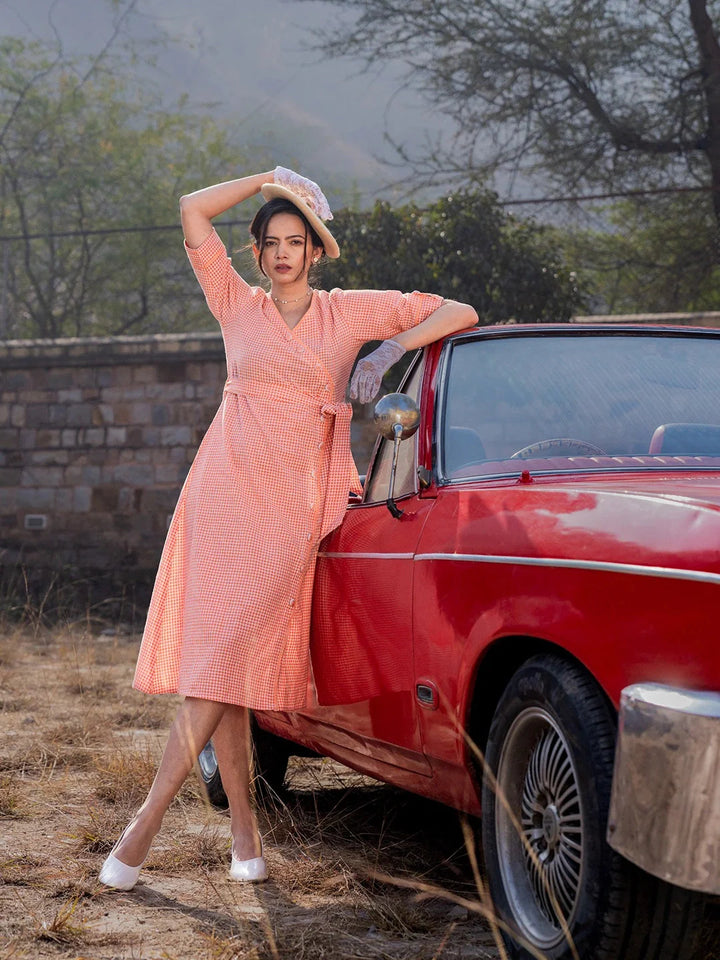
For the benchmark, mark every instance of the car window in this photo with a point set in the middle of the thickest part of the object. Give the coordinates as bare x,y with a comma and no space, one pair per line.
378,484
591,402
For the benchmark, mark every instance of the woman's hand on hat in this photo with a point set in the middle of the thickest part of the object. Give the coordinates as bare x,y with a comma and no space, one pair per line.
305,189
371,369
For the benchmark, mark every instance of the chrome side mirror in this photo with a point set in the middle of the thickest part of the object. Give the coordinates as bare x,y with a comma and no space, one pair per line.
396,417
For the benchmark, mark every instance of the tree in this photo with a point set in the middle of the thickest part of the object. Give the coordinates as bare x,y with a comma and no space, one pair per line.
464,247
586,92
657,256
84,146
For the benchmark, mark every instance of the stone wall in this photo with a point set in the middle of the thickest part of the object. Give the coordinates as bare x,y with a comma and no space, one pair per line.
96,438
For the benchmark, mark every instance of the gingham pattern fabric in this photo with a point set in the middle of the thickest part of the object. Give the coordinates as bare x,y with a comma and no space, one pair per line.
229,618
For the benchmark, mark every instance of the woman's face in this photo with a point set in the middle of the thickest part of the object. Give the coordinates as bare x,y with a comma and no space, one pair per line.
286,254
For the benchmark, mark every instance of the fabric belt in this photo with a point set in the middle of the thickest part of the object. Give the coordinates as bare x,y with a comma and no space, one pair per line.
341,471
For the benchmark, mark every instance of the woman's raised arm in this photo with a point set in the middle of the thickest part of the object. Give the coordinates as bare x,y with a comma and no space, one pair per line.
197,209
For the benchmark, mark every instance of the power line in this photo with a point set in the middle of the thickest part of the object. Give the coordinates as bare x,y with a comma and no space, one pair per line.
658,191
104,231
529,201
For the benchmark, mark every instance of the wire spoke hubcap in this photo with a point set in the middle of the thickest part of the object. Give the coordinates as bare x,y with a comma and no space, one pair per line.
540,831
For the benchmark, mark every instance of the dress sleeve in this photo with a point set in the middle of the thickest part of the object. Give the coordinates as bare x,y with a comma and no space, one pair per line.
380,314
224,289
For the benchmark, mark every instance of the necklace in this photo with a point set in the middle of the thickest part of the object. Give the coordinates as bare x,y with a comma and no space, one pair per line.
297,299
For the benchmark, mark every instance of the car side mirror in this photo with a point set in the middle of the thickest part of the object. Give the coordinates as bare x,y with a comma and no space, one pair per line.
396,417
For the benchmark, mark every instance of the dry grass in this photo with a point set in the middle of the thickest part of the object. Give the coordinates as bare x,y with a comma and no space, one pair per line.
348,858
124,777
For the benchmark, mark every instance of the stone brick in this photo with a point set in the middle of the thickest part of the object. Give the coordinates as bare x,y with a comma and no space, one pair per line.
74,395
135,437
119,394
93,436
65,378
122,413
170,473
81,499
104,499
145,373
64,498
48,458
17,415
58,414
37,415
79,414
174,436
161,415
10,476
116,436
180,455
68,438
36,499
42,476
82,475
4,414
47,438
16,380
134,474
175,372
140,413
165,392
9,439
103,414
157,502
129,499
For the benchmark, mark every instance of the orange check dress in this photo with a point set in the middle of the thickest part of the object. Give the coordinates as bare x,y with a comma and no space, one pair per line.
229,618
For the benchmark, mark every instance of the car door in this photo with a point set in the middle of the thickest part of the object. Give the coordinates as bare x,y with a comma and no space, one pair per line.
362,632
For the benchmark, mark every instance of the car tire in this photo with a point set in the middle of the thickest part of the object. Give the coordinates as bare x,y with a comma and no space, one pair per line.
270,762
271,755
210,776
550,754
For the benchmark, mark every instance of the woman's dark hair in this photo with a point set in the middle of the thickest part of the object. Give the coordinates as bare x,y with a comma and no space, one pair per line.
259,226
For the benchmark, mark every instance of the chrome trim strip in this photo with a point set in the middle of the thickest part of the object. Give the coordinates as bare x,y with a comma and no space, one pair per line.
365,556
633,569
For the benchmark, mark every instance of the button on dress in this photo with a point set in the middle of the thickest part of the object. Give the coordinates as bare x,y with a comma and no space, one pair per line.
229,618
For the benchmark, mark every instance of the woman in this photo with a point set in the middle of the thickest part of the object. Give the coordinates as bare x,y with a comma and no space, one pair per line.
228,625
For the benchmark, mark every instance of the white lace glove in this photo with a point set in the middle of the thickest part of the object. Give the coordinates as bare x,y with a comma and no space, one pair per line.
370,370
305,189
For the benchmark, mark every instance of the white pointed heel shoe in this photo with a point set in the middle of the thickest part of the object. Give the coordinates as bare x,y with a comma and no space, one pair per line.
118,875
249,871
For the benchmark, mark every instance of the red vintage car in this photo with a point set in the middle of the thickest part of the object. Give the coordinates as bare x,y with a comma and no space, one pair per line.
530,632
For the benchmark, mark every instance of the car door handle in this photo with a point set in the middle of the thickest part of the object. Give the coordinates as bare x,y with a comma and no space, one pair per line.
427,695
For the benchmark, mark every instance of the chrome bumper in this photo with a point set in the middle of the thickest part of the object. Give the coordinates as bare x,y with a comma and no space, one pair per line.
665,805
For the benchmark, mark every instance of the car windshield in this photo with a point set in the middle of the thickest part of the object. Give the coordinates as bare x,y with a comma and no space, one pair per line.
561,402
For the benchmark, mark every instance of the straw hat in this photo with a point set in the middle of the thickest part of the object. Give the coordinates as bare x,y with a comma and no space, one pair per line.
307,202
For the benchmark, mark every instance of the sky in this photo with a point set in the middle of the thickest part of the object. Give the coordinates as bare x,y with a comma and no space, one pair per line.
246,58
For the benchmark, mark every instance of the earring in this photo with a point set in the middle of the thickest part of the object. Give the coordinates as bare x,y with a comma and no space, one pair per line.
315,259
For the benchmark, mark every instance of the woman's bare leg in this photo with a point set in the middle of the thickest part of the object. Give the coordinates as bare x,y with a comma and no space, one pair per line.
231,740
194,725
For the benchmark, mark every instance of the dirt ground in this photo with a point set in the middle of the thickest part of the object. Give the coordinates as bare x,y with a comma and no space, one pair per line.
78,749
357,869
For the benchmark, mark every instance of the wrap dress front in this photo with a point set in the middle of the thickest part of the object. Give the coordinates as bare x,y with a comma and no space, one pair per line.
229,618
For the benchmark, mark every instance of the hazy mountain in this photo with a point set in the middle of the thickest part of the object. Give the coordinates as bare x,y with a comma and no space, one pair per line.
245,60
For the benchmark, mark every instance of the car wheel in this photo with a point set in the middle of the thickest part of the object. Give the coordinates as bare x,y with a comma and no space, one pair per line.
270,762
560,889
210,776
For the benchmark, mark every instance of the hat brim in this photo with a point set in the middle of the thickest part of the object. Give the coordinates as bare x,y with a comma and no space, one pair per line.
272,190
